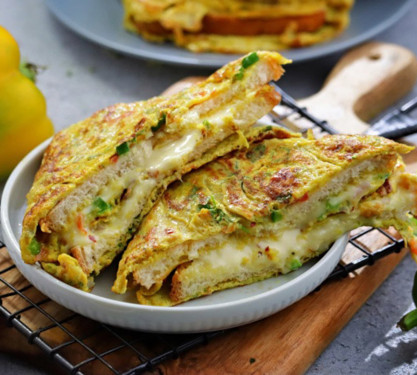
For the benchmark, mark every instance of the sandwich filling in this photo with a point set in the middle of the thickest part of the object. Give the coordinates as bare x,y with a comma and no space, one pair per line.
263,212
99,177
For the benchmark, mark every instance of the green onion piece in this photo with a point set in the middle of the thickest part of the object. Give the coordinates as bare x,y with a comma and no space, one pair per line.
101,206
122,148
162,121
256,153
408,321
331,207
243,228
34,247
276,216
295,264
250,60
239,75
206,123
217,214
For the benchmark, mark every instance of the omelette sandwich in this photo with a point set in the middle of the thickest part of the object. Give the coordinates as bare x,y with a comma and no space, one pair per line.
99,177
264,211
237,26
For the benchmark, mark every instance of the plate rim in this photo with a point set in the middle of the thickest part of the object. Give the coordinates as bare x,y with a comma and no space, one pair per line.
196,60
37,276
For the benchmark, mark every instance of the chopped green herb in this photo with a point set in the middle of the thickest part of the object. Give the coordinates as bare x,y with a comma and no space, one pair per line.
34,247
246,63
332,206
122,148
250,60
194,191
206,123
101,206
162,121
239,75
267,128
382,176
256,153
295,264
276,216
217,214
242,186
243,228
321,217
252,360
413,223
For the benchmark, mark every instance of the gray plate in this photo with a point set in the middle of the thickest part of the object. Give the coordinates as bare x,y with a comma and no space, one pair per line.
101,21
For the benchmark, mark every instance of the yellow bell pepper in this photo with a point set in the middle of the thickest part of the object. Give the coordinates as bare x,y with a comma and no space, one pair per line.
23,120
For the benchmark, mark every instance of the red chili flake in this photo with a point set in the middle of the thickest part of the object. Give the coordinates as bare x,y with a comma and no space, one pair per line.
80,224
252,224
303,198
114,158
169,230
92,238
267,249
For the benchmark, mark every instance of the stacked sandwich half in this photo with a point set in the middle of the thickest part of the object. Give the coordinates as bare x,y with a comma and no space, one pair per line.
198,199
237,26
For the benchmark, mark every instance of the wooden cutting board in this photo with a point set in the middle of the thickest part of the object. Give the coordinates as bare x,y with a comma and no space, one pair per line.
363,83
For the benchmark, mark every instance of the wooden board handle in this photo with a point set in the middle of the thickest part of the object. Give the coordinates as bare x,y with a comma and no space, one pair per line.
367,80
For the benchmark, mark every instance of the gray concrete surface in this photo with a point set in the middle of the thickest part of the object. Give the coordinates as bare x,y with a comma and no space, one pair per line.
81,77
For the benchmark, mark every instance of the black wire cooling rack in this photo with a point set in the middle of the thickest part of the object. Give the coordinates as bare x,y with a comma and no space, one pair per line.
57,331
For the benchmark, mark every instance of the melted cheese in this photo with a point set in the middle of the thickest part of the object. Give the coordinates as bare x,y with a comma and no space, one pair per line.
159,162
237,253
239,259
170,156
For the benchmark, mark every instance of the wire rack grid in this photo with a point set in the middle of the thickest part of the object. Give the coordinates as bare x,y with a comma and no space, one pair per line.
82,346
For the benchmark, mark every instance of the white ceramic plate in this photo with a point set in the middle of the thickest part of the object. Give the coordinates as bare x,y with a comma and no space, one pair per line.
221,310
101,22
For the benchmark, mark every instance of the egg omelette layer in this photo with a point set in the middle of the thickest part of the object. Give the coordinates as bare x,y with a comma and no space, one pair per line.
100,176
265,211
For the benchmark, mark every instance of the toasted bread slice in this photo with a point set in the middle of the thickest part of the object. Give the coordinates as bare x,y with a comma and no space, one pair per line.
99,177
